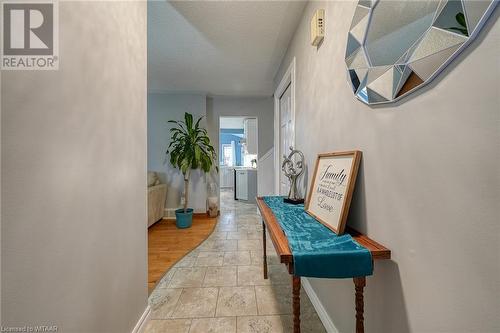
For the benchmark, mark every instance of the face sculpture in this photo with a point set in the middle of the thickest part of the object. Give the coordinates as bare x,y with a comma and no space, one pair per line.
293,170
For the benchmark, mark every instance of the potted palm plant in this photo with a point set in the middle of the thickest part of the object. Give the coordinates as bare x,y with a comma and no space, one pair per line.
189,149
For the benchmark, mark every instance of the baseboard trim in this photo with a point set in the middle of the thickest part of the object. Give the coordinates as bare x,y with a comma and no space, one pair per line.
318,306
143,321
169,213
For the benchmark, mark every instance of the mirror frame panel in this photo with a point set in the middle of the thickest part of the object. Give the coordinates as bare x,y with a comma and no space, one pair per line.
410,72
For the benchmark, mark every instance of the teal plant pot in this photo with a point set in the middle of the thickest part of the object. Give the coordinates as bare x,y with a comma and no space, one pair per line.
184,220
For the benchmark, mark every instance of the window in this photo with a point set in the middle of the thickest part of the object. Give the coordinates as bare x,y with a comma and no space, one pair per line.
227,155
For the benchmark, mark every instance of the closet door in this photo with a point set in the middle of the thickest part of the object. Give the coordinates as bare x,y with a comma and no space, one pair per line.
286,136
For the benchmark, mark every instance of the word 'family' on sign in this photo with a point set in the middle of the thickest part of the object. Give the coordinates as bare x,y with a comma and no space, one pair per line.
338,177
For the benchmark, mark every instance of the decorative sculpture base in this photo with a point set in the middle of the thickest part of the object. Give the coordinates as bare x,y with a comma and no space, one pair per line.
293,201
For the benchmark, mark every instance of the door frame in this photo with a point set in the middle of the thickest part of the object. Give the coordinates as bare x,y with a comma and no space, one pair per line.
237,116
287,79
218,144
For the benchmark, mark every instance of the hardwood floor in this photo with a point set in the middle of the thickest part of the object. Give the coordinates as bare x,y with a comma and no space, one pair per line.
167,244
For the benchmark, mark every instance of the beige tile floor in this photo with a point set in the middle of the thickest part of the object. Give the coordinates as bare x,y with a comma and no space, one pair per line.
219,286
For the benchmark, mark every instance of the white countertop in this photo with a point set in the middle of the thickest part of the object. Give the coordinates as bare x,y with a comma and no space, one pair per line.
236,167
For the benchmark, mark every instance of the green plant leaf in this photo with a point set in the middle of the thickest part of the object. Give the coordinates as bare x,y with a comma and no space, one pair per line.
461,30
460,17
188,119
197,125
190,146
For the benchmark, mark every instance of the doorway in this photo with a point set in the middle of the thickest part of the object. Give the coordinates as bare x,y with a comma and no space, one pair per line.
238,151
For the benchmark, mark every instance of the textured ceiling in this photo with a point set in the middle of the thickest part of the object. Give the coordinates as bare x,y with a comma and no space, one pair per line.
218,48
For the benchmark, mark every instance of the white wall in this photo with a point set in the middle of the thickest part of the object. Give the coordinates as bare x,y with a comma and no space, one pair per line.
163,107
265,179
1,253
429,183
74,246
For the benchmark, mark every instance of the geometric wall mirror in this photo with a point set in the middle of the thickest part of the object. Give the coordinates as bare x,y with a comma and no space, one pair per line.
396,47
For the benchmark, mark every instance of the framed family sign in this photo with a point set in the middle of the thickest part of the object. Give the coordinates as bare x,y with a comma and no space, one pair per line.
331,189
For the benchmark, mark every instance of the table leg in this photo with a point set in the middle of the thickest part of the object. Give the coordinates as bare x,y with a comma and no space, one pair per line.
359,284
296,303
264,258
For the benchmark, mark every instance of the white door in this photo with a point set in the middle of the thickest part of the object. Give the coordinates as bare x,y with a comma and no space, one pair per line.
286,135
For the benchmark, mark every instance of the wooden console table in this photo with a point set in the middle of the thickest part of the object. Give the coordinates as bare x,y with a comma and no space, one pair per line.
280,243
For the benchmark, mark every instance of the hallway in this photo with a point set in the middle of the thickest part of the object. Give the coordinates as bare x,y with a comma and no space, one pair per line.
219,286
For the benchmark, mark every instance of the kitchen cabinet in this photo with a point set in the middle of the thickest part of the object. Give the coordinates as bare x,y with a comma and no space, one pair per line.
250,130
241,185
226,176
245,184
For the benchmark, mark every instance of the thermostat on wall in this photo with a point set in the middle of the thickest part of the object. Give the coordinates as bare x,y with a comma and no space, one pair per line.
318,27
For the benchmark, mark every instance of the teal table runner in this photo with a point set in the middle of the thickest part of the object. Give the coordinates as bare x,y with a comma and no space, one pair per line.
317,251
